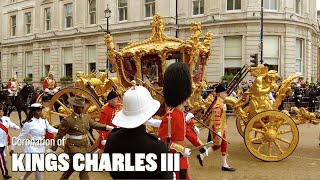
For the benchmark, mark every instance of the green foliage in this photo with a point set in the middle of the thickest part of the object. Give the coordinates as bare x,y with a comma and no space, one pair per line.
227,77
27,79
65,79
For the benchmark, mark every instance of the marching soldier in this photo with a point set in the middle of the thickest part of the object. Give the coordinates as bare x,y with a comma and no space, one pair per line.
218,123
5,140
77,127
177,89
50,85
107,115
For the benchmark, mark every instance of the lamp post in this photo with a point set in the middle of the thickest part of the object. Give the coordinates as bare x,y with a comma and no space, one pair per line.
107,14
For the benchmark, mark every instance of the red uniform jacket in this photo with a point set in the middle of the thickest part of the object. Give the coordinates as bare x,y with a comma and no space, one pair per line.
178,133
106,116
46,84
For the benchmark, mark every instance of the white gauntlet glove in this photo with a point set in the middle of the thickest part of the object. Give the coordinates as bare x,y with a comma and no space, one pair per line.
189,116
103,142
109,128
187,152
196,130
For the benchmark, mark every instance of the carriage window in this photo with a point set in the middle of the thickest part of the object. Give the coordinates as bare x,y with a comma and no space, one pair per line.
29,63
129,69
151,70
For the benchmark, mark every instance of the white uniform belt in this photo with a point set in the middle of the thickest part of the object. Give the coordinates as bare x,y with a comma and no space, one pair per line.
77,137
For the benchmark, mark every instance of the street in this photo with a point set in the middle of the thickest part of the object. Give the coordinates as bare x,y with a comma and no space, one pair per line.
304,163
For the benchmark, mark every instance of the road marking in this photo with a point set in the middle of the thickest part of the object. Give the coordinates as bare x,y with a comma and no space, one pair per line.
306,158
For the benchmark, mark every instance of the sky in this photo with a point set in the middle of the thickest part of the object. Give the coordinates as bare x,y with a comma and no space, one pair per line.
318,4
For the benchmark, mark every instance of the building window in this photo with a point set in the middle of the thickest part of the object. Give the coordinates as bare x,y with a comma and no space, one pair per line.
299,56
298,6
150,8
29,63
13,25
47,18
28,22
198,7
92,11
68,15
122,6
68,60
270,4
122,45
232,55
91,58
271,51
233,5
14,63
46,62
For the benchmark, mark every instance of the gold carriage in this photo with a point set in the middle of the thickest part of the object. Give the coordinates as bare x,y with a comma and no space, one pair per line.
269,134
145,62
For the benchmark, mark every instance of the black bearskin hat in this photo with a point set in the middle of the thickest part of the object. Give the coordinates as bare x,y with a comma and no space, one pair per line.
177,85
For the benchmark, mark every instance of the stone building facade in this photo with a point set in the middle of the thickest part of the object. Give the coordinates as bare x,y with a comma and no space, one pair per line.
69,34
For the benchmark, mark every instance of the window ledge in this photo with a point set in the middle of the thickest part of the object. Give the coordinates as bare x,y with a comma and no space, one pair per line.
233,11
123,21
197,15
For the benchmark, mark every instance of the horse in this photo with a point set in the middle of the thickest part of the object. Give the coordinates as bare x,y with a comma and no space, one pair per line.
4,100
22,100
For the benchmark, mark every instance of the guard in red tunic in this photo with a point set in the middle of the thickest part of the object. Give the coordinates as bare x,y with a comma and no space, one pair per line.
177,89
50,85
107,115
218,123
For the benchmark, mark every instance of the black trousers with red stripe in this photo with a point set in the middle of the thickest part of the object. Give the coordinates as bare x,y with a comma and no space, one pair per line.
3,166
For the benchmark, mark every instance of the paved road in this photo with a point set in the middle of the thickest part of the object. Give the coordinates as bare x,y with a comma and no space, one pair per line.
304,163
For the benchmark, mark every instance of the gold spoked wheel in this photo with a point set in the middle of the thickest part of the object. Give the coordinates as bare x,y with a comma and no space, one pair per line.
240,126
58,108
277,133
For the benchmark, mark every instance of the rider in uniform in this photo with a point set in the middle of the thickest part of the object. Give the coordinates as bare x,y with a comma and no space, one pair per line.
13,88
50,85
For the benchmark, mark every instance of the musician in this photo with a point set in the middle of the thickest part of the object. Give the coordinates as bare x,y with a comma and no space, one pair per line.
13,88
50,85
107,115
218,123
177,89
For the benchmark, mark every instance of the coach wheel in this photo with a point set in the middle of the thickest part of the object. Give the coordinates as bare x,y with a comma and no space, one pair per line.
277,133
